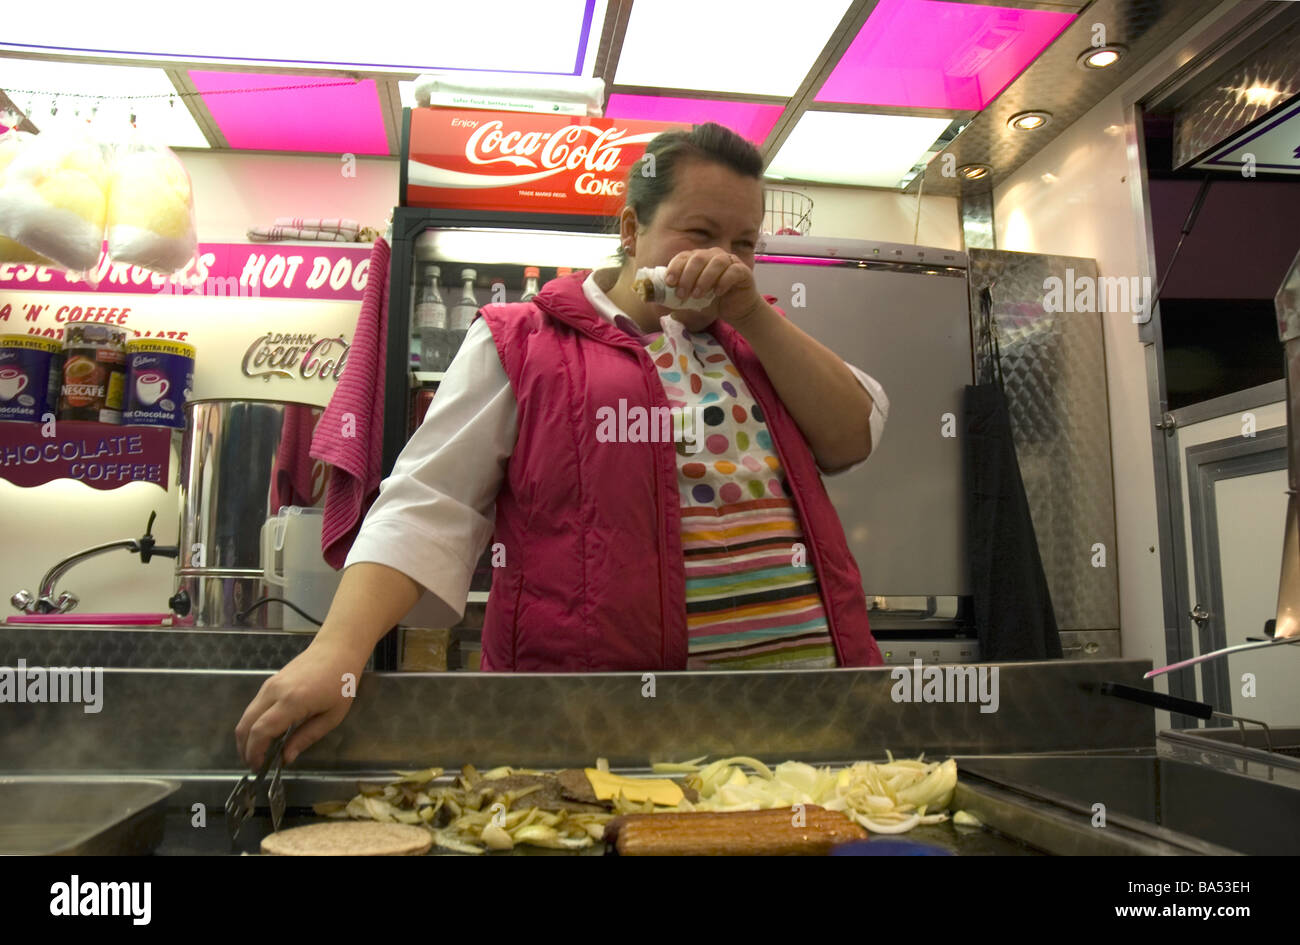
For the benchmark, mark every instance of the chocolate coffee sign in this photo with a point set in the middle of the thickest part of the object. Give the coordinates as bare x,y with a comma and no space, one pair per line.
299,355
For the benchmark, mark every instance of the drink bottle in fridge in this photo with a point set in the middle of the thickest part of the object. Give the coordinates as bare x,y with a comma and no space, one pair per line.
463,312
531,275
436,348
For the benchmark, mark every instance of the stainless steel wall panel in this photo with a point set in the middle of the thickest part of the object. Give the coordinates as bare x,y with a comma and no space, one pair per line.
977,220
1054,367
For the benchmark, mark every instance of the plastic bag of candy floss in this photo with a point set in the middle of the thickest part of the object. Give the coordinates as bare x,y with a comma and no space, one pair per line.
53,199
150,208
10,250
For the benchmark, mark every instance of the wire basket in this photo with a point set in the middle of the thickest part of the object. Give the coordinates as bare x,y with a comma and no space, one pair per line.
786,213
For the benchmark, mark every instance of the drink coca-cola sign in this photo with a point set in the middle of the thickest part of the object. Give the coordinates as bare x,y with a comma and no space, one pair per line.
514,161
278,354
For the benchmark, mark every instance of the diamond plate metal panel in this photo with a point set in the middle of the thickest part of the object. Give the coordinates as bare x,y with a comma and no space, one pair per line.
149,649
1054,368
178,721
1054,83
977,220
1222,110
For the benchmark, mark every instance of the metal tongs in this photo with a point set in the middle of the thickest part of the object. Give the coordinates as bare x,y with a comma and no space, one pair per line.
243,799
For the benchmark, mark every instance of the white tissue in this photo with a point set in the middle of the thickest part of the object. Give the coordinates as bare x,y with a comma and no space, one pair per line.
664,294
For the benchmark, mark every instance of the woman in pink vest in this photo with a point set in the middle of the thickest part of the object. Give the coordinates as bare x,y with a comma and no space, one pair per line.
649,477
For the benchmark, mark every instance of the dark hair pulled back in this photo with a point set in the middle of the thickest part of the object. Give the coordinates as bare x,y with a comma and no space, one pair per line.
654,175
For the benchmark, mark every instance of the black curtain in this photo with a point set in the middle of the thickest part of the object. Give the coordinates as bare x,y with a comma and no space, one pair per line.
1013,606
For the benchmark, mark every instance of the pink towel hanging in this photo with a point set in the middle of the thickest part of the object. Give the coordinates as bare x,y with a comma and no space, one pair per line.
350,434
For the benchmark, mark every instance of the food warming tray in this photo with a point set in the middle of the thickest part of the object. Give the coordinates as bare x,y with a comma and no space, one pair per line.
96,816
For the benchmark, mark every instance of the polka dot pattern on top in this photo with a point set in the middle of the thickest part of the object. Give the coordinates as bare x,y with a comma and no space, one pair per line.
752,599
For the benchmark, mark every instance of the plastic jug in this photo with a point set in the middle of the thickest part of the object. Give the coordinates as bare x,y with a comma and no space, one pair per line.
292,561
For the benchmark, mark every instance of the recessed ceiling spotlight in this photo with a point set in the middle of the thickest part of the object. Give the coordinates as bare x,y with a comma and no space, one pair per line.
1029,121
974,171
1101,57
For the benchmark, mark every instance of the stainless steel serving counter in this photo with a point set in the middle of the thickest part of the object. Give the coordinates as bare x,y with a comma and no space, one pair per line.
179,724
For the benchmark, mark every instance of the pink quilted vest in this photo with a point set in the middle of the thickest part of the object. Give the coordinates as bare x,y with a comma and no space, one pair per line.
593,579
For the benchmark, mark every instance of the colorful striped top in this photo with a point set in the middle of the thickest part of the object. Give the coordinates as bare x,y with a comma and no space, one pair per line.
752,598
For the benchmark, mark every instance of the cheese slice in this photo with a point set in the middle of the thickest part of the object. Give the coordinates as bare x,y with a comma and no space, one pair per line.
659,790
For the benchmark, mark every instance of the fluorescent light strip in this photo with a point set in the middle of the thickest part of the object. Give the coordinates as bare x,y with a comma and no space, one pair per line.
73,86
760,47
846,148
517,247
514,35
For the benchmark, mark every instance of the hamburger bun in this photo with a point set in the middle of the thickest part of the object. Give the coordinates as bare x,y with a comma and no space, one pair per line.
349,838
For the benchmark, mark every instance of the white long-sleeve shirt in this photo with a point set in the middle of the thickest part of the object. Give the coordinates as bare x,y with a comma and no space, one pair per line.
435,513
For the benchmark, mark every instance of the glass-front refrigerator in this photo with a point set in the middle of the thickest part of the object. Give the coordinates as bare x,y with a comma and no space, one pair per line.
443,273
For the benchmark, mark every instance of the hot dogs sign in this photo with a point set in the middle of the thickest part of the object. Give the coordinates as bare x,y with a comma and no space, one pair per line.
222,270
511,161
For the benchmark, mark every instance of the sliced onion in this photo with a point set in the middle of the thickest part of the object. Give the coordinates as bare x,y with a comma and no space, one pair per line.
754,763
447,842
876,827
684,767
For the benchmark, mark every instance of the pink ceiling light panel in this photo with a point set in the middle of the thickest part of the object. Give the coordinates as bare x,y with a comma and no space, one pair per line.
339,118
748,119
931,54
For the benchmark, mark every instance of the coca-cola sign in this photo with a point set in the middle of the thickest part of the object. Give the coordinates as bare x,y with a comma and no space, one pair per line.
304,356
515,161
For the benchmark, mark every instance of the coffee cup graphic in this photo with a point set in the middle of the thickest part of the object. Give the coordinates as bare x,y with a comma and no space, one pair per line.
79,370
150,386
12,383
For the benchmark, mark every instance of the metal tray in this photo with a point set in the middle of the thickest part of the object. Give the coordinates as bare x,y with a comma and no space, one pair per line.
1253,744
82,816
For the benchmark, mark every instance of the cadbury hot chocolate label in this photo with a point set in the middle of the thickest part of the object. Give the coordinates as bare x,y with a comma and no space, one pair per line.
160,379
